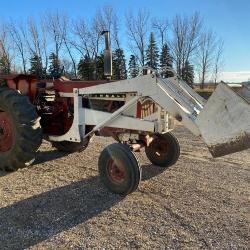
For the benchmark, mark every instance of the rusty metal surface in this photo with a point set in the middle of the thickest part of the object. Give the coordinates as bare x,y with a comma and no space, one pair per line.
6,132
234,145
17,77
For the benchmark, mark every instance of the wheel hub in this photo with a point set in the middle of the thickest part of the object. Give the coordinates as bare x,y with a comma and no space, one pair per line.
6,132
116,172
160,147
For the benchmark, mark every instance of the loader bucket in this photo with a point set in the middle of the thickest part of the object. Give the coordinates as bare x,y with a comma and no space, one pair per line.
224,122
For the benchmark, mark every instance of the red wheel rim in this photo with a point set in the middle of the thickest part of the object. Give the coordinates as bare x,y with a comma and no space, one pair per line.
6,132
116,171
159,147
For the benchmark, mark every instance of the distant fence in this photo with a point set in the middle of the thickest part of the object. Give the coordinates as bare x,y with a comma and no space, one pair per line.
208,90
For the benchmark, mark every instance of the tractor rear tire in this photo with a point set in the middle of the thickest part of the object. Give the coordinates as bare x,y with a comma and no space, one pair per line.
70,147
119,169
164,150
20,130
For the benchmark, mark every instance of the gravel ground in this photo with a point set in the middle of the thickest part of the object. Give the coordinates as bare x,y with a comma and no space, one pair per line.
59,203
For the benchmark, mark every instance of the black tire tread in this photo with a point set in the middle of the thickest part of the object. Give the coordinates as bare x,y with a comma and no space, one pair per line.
174,151
28,132
71,147
131,161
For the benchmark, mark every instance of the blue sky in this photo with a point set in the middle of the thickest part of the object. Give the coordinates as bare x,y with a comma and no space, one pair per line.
230,19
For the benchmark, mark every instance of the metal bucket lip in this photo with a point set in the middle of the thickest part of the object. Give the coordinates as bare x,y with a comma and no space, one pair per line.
242,142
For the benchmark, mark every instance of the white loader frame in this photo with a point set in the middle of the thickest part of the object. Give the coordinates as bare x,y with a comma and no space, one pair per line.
223,122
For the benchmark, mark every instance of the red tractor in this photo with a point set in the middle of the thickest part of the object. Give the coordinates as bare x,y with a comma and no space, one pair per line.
136,112
29,111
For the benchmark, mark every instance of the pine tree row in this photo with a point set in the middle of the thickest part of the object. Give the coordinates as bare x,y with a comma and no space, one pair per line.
90,69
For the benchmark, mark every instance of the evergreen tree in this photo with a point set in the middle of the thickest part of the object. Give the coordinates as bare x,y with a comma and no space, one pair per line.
99,67
152,53
55,68
36,67
188,73
5,66
166,60
133,67
119,65
86,68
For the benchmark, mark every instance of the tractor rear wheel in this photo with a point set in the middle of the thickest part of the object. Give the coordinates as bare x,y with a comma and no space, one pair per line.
20,130
71,147
164,150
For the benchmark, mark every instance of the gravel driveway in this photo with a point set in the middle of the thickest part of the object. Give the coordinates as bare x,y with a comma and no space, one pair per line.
59,203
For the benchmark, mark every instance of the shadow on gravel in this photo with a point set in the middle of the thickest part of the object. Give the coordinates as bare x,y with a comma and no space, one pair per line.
44,156
150,171
3,173
30,221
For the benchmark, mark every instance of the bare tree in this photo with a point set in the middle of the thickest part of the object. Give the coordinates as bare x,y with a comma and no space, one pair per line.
44,45
37,40
186,31
104,18
218,64
53,22
161,26
18,33
205,55
115,32
137,30
33,38
65,31
5,49
81,40
87,37
96,29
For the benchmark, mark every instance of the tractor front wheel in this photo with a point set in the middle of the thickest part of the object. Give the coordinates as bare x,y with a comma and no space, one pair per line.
20,130
164,150
119,169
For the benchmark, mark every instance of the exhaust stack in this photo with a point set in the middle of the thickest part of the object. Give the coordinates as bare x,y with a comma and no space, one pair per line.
107,56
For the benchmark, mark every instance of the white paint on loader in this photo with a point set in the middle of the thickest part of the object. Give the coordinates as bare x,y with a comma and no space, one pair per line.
224,122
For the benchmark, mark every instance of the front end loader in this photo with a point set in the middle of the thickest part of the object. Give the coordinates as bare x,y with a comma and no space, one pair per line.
137,113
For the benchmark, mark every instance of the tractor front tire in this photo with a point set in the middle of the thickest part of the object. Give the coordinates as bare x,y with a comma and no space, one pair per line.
119,169
164,150
20,130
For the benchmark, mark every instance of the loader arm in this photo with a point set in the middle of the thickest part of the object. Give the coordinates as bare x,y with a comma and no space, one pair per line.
223,121
166,92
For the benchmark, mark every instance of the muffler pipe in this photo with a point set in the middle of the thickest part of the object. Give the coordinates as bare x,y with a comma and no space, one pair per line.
107,55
